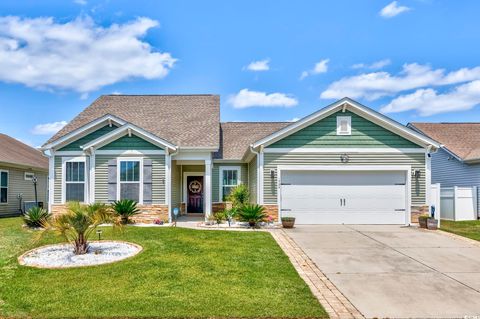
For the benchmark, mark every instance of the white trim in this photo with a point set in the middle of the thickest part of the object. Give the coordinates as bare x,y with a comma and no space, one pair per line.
339,125
69,153
428,178
405,168
51,179
192,156
130,152
220,179
356,108
208,187
140,181
84,130
8,185
126,130
260,177
345,150
198,149
64,175
229,161
168,185
91,180
185,191
28,178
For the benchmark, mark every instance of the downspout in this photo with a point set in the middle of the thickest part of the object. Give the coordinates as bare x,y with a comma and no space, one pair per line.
169,182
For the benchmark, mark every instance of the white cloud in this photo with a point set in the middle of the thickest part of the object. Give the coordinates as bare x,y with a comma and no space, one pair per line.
48,128
428,101
374,66
294,119
80,2
319,67
393,9
255,66
78,55
246,98
375,85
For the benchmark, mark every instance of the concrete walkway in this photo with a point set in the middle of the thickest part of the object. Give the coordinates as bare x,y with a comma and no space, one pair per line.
396,272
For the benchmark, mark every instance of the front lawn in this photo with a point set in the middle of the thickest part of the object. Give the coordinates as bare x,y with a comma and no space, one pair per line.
469,229
181,273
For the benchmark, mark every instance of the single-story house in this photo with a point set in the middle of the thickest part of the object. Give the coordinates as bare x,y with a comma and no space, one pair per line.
20,165
345,163
457,162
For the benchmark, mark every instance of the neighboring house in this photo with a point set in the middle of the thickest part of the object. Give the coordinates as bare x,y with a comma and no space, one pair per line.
19,163
343,164
457,162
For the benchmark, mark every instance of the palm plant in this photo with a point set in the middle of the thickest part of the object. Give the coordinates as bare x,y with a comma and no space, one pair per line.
125,209
80,221
252,213
36,217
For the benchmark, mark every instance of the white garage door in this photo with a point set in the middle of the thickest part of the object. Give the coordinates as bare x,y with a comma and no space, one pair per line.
344,197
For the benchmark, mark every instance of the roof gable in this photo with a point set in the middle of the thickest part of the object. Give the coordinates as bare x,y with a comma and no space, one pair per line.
76,144
132,142
355,107
182,120
323,133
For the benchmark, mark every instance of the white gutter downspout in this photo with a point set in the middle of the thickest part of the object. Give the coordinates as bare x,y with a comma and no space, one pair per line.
168,182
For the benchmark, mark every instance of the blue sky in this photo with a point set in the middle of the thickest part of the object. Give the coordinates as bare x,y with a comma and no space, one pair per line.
269,60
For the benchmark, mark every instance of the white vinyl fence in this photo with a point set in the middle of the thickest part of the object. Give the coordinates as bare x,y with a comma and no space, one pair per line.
456,203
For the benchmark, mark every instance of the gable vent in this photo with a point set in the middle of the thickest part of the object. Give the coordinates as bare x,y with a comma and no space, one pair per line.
344,125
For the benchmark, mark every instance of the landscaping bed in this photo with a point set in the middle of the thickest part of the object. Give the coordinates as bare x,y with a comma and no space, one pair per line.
180,273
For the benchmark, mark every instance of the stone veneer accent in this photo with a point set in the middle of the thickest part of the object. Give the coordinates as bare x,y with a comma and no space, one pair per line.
417,211
148,213
272,210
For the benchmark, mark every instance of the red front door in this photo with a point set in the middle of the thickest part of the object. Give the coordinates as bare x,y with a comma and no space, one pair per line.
195,194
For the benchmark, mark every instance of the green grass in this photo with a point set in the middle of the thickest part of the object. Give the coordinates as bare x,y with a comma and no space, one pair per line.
469,229
180,273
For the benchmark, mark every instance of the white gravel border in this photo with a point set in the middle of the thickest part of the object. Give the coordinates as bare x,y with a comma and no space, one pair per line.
62,256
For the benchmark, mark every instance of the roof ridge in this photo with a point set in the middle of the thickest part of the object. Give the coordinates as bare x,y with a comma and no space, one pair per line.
445,123
257,122
207,94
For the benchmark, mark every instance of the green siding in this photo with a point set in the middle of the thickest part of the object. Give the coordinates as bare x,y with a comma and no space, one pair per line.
416,160
324,134
18,185
158,177
75,145
252,179
130,143
216,178
176,185
57,194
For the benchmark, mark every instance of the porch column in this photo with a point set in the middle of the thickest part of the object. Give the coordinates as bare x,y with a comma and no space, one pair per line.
51,179
208,187
91,181
168,184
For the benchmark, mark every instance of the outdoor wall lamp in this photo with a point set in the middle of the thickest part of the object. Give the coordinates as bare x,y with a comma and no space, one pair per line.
416,173
272,173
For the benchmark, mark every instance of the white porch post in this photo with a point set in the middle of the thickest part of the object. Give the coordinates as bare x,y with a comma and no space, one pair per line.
208,187
260,176
91,181
51,179
168,184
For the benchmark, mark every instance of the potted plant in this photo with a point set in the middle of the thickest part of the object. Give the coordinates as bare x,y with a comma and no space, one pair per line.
422,220
432,223
288,222
252,214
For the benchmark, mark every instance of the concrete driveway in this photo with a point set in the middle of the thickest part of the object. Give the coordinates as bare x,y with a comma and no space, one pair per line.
396,272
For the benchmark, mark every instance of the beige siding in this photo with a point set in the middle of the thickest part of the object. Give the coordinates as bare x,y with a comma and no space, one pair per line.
252,179
417,161
158,177
216,178
18,185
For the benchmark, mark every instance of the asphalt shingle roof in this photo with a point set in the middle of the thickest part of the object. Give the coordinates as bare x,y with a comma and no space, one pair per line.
15,152
463,139
184,120
236,137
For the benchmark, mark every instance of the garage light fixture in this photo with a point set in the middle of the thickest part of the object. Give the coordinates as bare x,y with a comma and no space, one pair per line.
416,173
344,158
272,173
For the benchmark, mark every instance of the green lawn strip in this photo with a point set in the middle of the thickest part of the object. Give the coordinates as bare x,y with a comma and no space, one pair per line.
469,229
181,273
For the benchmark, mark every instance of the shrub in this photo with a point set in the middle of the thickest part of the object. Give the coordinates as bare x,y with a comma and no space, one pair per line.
423,217
80,221
36,217
239,196
219,217
253,214
125,209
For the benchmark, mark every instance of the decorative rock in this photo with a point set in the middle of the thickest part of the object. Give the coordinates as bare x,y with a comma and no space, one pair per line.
62,256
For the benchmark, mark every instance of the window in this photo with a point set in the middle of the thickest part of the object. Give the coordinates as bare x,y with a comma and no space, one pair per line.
75,181
344,125
29,176
3,187
129,179
229,178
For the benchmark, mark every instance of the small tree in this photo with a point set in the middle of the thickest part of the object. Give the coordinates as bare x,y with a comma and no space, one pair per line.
239,196
80,221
